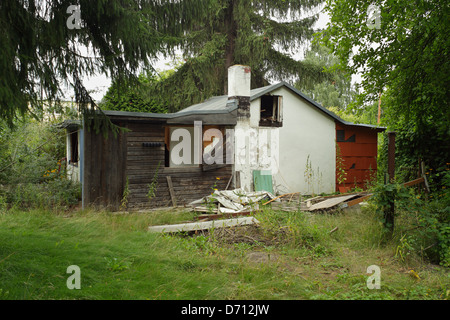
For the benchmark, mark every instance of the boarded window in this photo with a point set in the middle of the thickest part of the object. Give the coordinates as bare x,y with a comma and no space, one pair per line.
340,136
271,111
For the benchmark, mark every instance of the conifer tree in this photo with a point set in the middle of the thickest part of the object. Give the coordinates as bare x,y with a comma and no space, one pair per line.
40,45
261,34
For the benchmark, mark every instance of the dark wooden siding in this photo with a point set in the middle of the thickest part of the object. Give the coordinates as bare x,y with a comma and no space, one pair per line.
142,166
112,162
104,165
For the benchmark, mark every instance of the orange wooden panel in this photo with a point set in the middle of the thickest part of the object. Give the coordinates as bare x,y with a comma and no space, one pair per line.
349,149
360,162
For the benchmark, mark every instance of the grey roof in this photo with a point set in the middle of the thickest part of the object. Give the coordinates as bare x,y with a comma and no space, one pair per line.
213,104
221,105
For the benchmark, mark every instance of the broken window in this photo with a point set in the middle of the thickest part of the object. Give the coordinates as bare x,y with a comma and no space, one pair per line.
271,111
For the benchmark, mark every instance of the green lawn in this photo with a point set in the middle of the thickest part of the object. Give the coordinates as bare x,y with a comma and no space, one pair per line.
289,256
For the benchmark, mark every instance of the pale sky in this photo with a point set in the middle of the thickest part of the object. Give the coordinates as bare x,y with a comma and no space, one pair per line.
98,85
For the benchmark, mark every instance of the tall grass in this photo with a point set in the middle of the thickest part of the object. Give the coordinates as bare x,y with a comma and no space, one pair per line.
119,259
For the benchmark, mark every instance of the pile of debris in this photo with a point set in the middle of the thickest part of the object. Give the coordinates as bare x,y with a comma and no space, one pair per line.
295,202
239,201
231,201
233,204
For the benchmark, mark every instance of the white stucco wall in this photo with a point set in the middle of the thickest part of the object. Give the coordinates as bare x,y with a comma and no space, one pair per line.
306,146
256,148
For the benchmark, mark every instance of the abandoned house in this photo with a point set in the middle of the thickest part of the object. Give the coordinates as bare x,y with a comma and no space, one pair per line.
272,138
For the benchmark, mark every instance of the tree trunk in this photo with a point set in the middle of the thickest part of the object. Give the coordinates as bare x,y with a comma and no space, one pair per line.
231,31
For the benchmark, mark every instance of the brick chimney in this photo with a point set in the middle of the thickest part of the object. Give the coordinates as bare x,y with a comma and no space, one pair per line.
239,88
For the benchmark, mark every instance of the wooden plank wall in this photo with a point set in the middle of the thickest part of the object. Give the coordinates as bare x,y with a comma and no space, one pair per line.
142,165
359,157
104,165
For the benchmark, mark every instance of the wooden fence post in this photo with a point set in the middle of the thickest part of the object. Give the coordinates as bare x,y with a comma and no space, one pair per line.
390,209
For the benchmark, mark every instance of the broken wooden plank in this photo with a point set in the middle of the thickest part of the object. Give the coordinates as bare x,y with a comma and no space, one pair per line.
203,225
413,182
283,195
171,191
334,230
329,203
338,195
223,215
205,209
356,201
228,203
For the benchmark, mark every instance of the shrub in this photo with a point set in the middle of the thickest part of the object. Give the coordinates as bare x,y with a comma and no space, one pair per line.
422,220
54,193
32,169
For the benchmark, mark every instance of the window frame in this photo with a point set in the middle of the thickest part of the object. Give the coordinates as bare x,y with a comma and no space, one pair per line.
276,114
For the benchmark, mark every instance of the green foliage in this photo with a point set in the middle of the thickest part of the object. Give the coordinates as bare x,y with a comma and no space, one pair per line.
40,54
140,265
406,60
340,167
114,264
335,92
295,230
132,96
33,167
422,225
258,34
191,83
125,195
29,150
57,193
384,194
153,186
429,143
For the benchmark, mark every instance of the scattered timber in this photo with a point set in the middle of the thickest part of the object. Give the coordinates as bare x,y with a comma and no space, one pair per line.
331,202
216,216
203,225
283,195
353,202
